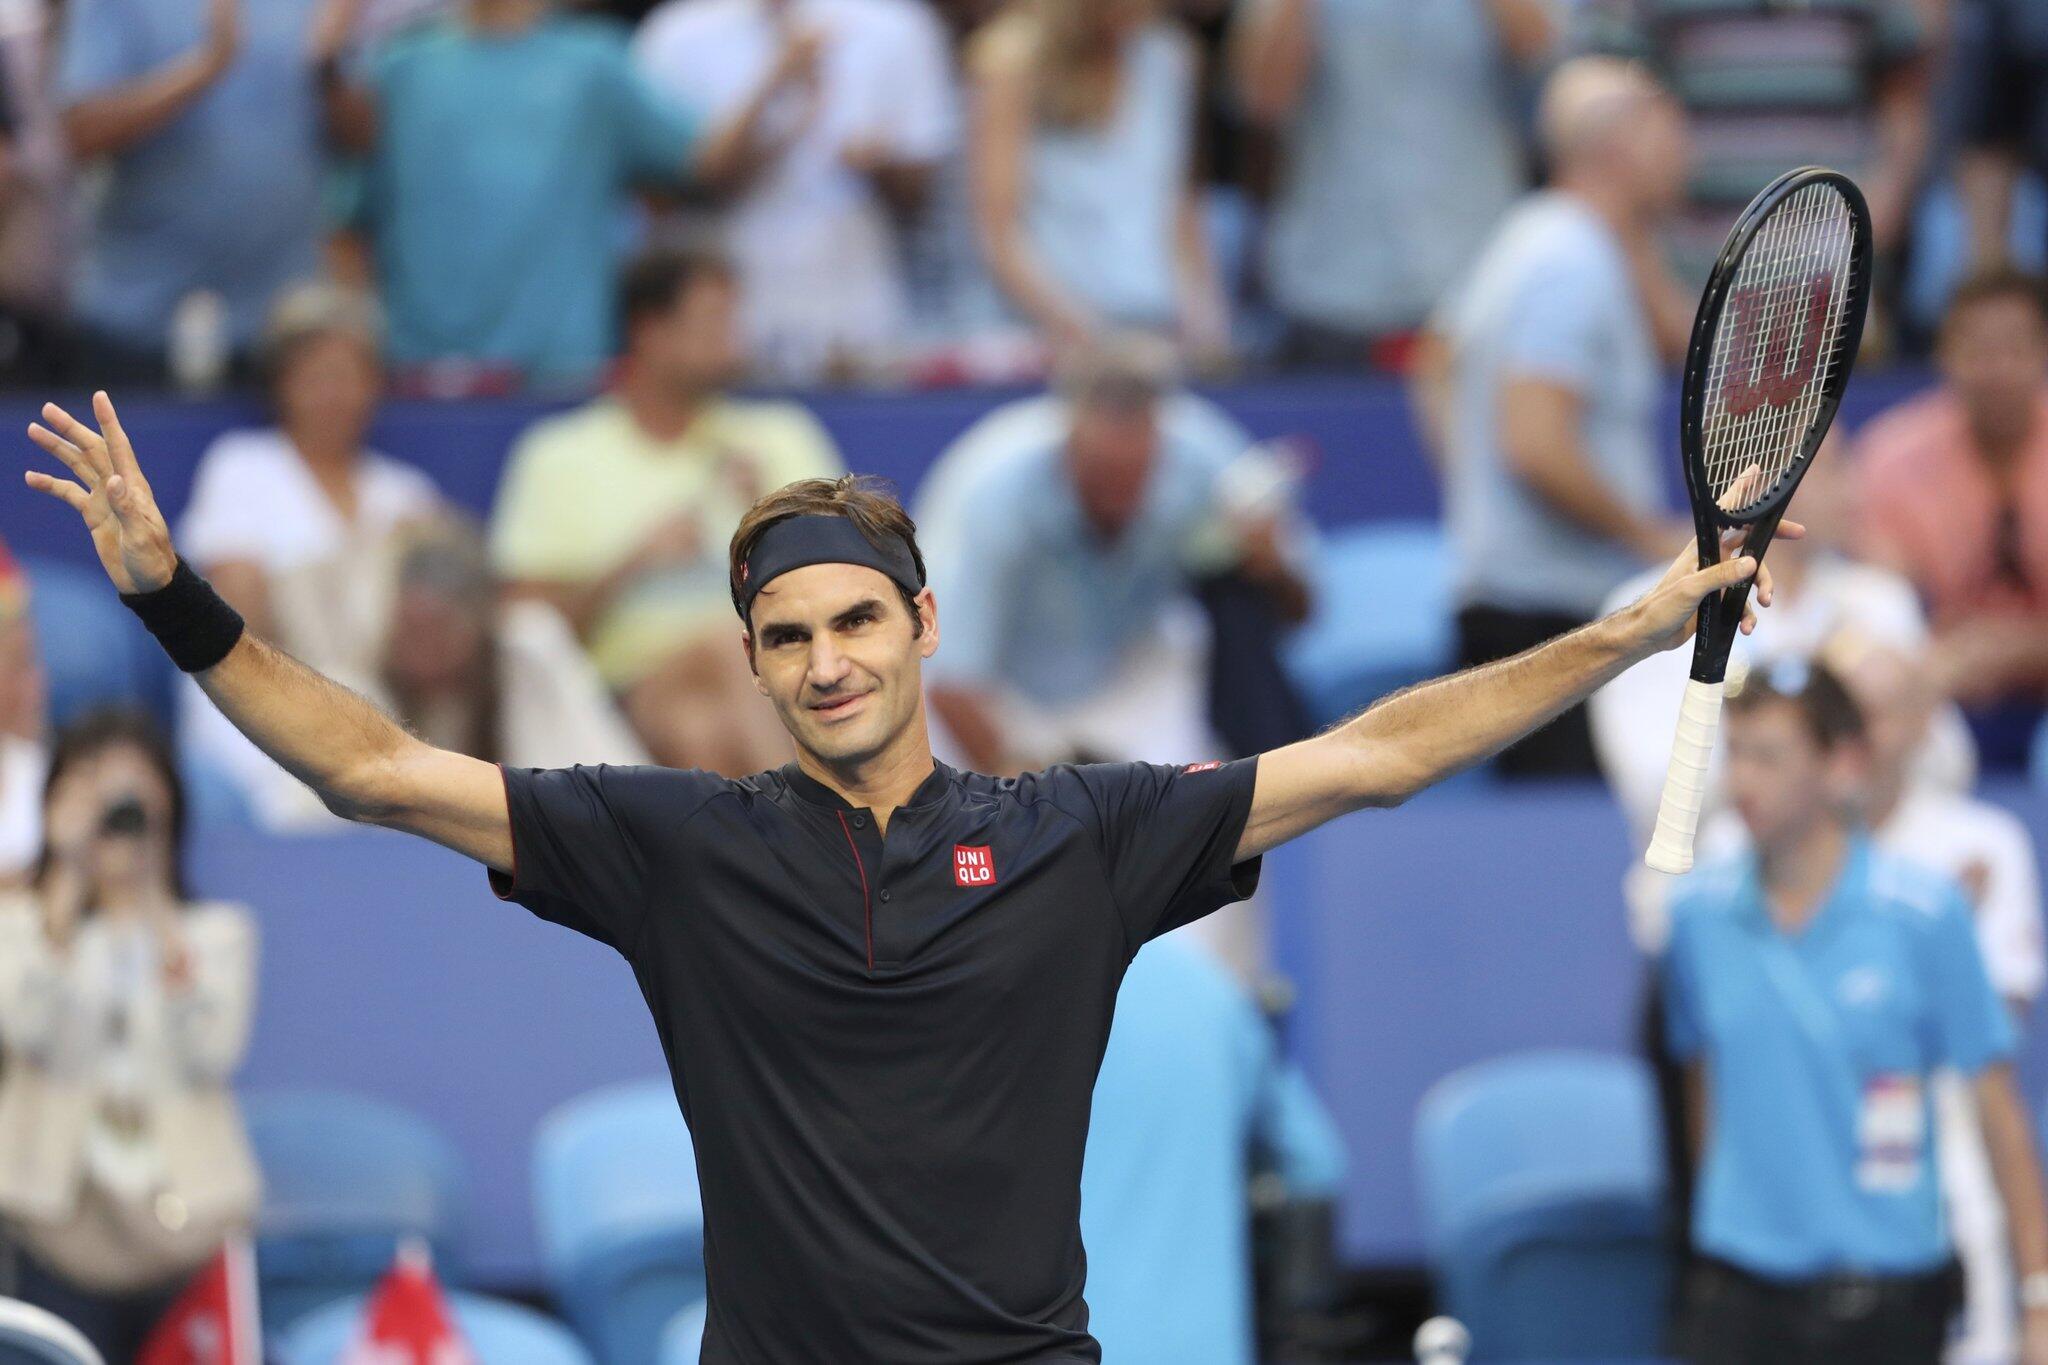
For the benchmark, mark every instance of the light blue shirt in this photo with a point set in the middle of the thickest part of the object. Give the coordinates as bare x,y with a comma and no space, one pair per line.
497,190
226,196
1102,202
1819,1048
1400,161
1551,299
1191,1080
1031,597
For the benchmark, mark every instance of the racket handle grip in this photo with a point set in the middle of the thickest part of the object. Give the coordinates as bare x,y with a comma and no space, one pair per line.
1685,785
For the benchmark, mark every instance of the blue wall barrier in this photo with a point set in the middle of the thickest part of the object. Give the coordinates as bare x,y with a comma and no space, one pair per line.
1458,928
1369,462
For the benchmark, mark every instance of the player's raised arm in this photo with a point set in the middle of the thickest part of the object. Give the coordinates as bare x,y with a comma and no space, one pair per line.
1421,735
362,763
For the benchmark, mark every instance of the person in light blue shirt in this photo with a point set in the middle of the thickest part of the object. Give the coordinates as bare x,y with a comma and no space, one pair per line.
1191,1084
1812,989
502,144
206,116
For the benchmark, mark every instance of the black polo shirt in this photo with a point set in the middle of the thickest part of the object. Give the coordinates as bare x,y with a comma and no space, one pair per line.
885,1048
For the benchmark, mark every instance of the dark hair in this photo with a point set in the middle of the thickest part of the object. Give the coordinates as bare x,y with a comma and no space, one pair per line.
1825,707
655,279
862,499
1998,284
110,727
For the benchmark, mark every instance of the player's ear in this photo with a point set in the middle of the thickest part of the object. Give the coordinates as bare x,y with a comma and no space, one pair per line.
928,618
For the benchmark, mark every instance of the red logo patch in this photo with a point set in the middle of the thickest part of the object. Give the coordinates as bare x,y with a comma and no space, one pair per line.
1203,767
973,865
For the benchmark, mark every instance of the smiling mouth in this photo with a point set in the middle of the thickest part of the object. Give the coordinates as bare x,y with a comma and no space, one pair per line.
838,706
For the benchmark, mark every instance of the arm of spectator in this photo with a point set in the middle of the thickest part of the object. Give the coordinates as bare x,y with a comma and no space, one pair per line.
1669,306
350,110
1987,657
969,715
1429,394
33,990
116,118
1698,1096
999,135
1272,52
1528,30
363,765
2016,1165
1539,425
742,146
1264,559
674,540
1423,734
211,993
1204,308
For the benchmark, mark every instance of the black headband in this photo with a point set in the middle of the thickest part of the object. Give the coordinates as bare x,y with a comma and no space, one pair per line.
799,541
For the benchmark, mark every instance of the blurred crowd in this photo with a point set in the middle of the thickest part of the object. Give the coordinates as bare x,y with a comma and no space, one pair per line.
920,191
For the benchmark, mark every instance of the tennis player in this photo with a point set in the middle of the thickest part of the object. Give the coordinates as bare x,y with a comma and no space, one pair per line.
883,986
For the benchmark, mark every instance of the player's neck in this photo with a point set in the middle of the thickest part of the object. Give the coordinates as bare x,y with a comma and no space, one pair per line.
1799,873
882,782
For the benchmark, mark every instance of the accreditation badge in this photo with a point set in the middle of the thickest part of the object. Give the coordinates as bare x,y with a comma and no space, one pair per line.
1891,1134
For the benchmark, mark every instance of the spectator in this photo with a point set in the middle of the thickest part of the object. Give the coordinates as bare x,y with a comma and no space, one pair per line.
1543,383
124,1010
812,224
293,523
24,756
36,228
1083,177
210,129
1401,147
1192,1089
508,684
501,145
1066,537
1769,86
1814,990
618,515
1955,496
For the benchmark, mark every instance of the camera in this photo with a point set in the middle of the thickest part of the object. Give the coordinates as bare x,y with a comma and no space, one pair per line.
124,818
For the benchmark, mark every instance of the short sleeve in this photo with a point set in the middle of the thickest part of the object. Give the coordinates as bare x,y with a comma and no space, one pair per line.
529,537
1968,1022
1684,1037
1169,835
583,839
1551,328
656,133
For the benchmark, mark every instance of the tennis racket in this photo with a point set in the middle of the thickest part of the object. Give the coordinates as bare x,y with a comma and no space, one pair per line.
1771,350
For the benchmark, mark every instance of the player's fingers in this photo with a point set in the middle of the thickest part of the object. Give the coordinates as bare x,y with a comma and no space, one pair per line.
1738,493
1726,574
1763,584
74,459
118,447
84,438
63,490
1791,530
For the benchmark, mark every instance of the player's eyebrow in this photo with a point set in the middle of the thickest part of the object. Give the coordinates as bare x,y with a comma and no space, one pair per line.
872,606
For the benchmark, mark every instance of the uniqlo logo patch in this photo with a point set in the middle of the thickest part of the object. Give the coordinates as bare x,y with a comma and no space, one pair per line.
1202,767
973,865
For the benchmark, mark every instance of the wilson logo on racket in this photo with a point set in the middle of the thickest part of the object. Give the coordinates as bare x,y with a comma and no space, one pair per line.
973,865
1763,369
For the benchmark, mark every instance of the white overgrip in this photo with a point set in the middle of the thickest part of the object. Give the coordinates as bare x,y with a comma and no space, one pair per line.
1685,785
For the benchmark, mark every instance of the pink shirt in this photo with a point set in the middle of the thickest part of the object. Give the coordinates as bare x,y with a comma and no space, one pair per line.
1931,509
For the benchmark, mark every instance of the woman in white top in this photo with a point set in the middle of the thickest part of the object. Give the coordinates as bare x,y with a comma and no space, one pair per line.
1080,156
292,524
124,1009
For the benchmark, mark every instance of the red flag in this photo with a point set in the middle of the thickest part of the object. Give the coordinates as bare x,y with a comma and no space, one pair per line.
407,1320
214,1321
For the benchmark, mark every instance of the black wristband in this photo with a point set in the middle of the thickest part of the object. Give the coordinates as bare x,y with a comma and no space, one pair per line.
190,620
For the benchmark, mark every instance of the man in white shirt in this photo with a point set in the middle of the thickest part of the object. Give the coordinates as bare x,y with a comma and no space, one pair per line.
847,149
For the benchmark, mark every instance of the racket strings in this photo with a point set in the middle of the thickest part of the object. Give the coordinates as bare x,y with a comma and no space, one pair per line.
1779,346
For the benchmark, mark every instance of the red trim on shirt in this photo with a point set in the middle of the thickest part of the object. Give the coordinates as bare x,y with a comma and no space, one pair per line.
867,913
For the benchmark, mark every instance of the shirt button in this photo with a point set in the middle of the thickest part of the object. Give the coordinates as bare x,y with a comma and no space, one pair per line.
885,893
860,822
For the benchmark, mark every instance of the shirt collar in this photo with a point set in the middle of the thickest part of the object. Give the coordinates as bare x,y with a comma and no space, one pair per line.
811,791
1842,897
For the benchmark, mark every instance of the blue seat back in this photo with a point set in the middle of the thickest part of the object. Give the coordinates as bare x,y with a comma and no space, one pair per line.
1542,1194
682,1341
1382,616
498,1333
619,1216
345,1178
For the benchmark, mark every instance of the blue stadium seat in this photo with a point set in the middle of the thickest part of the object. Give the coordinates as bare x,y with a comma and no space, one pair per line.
94,652
619,1218
1542,1192
1382,616
345,1177
682,1341
498,1333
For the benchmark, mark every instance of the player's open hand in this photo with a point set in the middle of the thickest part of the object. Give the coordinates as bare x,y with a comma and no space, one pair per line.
128,531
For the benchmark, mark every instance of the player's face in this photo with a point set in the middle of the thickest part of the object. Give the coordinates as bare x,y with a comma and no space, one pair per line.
1781,780
835,650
